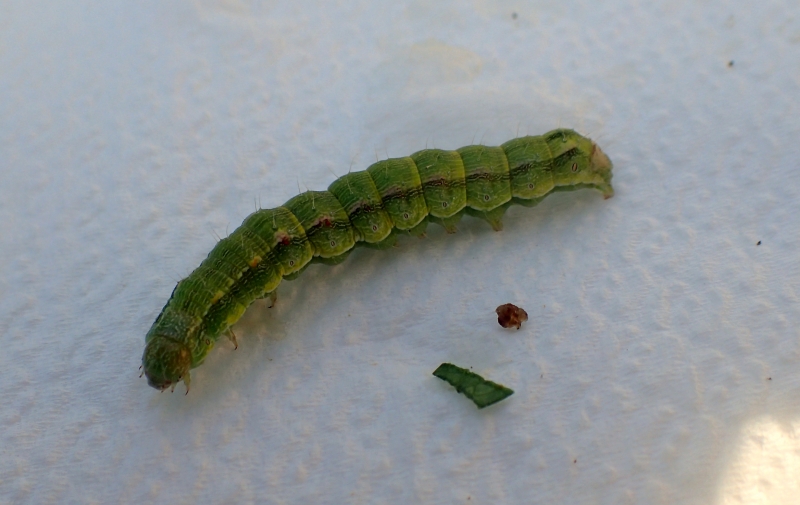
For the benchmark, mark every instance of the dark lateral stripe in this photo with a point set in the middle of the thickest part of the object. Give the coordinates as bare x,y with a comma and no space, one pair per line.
566,155
340,225
556,134
438,183
487,176
358,210
403,195
521,169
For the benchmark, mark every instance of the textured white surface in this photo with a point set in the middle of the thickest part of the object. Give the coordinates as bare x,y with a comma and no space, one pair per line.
661,361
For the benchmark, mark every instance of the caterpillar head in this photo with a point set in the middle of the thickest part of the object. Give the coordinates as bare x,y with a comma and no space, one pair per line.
578,162
166,363
601,166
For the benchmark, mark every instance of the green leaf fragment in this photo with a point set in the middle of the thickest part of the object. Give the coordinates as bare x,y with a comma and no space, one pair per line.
481,391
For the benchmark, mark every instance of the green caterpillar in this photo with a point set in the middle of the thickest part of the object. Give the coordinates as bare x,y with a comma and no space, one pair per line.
371,208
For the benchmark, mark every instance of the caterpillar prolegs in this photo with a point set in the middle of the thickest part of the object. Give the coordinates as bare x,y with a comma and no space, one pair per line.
371,207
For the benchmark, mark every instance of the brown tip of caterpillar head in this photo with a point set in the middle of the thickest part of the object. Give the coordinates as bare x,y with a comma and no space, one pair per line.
166,362
601,165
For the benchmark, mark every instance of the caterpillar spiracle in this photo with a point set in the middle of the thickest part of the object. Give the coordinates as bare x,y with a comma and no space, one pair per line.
370,208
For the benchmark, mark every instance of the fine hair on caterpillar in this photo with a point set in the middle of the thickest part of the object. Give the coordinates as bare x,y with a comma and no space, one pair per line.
365,208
